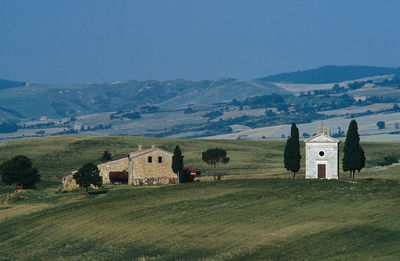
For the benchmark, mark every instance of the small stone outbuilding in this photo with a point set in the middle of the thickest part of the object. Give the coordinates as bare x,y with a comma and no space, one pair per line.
69,183
322,156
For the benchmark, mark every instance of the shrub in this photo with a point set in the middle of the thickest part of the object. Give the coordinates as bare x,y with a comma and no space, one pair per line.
19,171
380,124
388,160
8,127
88,175
106,156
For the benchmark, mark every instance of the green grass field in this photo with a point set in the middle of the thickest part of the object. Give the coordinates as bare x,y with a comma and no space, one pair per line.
255,213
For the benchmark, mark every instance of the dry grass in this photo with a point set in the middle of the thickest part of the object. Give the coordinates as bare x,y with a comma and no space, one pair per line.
9,210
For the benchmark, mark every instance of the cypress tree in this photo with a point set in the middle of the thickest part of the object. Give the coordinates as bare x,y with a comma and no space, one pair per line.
353,154
292,151
177,162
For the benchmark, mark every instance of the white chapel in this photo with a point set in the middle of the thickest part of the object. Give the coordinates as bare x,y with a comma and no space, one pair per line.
322,155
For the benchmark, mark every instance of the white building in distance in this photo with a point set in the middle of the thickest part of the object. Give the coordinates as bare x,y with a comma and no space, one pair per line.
322,155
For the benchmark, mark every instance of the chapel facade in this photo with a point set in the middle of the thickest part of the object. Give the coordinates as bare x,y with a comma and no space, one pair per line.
322,155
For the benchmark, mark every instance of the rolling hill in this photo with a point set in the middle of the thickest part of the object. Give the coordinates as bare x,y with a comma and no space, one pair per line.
181,108
6,84
65,100
330,74
59,101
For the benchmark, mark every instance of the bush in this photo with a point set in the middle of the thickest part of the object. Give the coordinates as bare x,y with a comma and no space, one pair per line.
19,171
8,127
388,160
88,175
106,156
212,115
131,115
380,124
189,111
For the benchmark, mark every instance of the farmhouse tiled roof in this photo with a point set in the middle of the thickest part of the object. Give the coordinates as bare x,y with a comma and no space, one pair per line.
120,158
136,154
140,153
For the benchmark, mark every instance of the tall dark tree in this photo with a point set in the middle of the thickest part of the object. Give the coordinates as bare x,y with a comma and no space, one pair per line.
214,157
292,155
106,156
353,154
88,175
19,170
177,163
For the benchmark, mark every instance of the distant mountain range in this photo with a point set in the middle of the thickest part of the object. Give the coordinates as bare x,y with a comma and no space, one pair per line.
228,108
19,100
330,74
63,100
6,84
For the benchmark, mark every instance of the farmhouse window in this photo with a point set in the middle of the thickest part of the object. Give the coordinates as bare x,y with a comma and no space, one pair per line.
149,159
159,159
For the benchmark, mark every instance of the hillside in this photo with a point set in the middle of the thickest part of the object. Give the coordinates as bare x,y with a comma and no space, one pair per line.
250,215
330,74
66,100
6,84
55,157
270,219
57,101
209,108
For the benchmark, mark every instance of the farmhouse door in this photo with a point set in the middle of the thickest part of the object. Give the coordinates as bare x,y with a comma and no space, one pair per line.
321,171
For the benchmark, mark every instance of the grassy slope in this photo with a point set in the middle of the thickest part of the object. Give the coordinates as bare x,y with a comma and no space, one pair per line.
248,219
237,219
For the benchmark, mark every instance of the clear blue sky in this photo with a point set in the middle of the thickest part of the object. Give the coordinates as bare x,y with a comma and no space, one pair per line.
74,41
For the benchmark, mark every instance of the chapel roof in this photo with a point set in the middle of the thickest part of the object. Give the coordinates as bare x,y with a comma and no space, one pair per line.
321,138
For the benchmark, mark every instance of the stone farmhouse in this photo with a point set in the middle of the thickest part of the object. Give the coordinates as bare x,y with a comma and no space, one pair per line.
144,166
322,155
149,166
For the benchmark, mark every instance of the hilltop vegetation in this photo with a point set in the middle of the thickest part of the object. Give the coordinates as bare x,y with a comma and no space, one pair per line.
330,74
6,84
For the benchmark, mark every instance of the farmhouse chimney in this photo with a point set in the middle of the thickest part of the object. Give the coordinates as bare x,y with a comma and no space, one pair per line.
139,147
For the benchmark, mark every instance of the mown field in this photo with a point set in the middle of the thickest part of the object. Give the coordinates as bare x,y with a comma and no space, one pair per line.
55,157
255,213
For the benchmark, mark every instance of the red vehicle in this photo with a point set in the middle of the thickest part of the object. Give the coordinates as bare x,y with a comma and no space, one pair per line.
194,174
